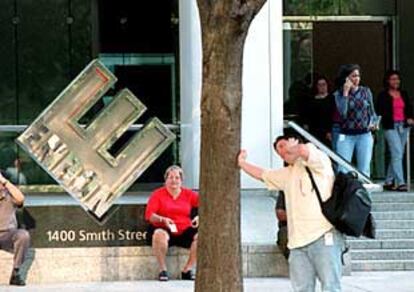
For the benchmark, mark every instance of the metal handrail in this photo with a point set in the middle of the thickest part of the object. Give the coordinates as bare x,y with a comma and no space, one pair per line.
370,185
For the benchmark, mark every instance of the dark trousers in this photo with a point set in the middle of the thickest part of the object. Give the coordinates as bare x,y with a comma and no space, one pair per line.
16,241
282,240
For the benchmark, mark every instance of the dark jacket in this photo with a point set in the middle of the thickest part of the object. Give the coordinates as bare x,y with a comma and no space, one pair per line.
386,110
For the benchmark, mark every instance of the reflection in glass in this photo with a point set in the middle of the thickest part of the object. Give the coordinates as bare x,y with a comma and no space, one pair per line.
297,66
338,7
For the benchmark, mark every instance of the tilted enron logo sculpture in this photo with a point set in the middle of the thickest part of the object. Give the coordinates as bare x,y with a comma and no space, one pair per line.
77,155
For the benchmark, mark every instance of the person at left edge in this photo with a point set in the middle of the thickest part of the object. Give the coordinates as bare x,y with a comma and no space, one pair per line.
12,239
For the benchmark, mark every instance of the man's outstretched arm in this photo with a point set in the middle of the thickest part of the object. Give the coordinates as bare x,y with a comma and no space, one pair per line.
251,169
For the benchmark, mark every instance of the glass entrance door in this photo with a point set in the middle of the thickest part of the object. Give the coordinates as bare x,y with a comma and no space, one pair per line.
319,46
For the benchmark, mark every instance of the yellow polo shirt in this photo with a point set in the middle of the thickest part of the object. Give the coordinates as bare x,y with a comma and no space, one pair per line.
306,223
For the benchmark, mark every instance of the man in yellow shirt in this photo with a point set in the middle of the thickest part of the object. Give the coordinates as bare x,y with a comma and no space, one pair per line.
315,246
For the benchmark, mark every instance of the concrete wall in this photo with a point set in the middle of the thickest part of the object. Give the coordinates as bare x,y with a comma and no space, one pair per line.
262,108
190,90
65,265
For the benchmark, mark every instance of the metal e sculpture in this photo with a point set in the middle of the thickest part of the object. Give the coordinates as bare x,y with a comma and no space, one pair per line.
77,155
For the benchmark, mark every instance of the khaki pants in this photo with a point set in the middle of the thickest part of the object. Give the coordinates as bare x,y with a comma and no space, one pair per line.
16,241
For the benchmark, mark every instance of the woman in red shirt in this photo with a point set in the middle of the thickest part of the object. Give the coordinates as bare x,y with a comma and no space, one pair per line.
169,213
396,109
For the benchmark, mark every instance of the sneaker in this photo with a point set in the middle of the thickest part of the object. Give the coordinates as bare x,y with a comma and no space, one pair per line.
163,276
17,280
389,187
187,275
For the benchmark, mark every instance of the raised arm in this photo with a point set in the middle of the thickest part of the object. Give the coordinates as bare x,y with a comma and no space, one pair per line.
17,195
251,169
296,149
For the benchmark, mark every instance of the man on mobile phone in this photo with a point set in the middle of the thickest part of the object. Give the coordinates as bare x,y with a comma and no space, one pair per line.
315,245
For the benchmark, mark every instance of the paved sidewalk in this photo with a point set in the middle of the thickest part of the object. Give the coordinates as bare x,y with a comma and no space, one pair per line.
358,282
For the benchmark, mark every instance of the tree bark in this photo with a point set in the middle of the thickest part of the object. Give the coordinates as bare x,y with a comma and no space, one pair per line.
224,25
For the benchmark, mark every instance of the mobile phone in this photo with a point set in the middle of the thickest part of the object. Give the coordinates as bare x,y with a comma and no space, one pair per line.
173,228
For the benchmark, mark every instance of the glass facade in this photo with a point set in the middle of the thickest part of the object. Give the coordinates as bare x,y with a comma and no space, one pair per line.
46,43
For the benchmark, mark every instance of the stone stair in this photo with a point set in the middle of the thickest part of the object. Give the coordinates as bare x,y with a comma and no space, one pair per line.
393,249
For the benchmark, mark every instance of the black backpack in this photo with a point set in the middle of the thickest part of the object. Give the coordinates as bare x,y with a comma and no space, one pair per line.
349,207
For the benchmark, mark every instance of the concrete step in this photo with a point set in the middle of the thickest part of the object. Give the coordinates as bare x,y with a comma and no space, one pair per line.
393,207
393,215
382,254
395,234
395,224
361,244
392,197
382,265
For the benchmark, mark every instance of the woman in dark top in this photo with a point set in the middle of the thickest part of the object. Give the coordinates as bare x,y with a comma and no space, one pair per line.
397,115
319,109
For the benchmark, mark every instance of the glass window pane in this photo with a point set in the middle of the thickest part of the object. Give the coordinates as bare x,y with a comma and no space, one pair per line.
19,167
80,35
297,66
367,7
338,7
136,26
43,51
144,81
8,149
293,7
311,7
325,7
8,102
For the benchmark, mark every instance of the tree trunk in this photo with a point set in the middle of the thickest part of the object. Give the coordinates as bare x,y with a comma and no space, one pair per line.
224,25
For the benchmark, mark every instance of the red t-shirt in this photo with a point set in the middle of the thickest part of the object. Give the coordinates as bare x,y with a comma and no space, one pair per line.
163,204
398,105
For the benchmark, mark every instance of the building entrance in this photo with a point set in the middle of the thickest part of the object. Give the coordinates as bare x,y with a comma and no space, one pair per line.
318,46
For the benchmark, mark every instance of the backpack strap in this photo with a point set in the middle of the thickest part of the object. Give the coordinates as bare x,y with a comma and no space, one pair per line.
318,194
